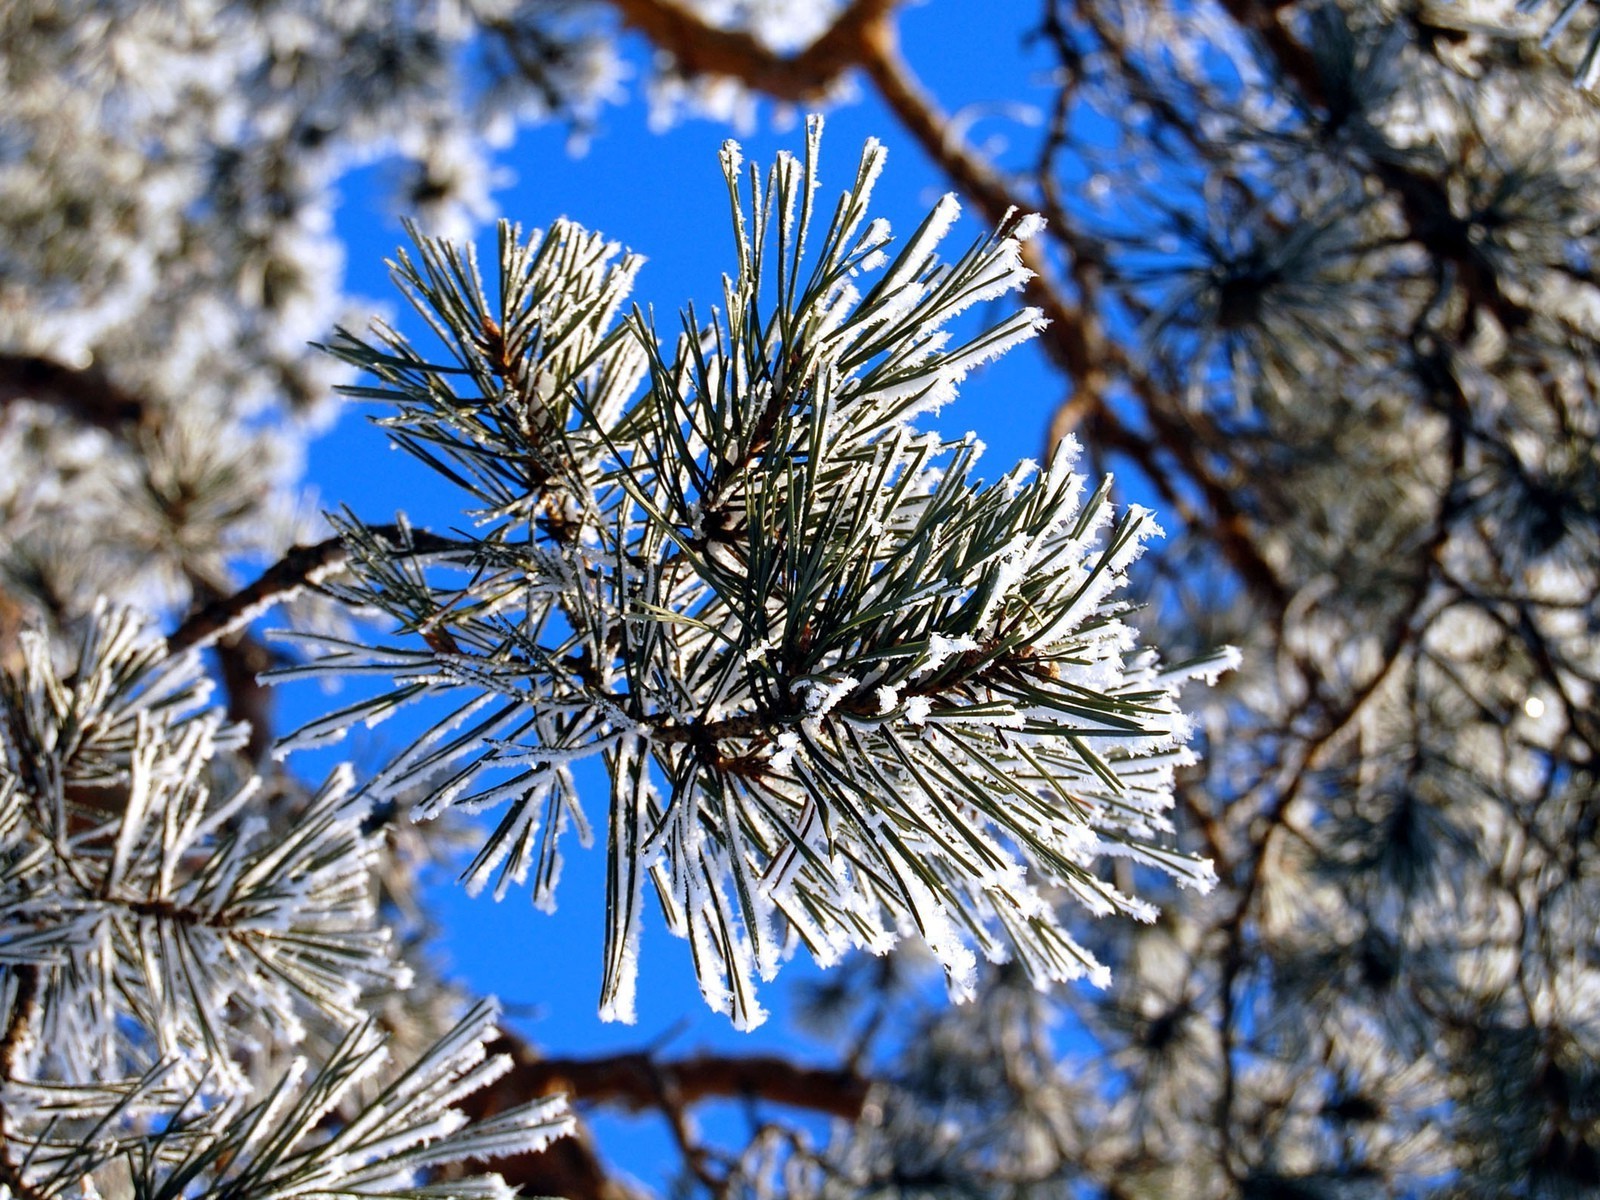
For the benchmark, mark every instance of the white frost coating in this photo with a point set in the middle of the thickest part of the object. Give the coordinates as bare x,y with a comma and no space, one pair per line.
940,650
873,241
524,825
1003,272
758,651
1014,562
910,261
1029,226
1012,332
818,697
939,932
621,1005
1199,874
873,155
917,709
934,387
1017,478
1110,576
788,743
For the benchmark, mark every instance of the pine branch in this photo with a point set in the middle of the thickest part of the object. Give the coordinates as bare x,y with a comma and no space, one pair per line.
1425,199
759,548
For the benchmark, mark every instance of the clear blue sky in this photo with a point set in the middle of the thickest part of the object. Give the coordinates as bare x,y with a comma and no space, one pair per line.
662,195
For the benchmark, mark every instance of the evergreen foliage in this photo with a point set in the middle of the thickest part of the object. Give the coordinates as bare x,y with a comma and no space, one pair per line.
1319,275
164,948
842,690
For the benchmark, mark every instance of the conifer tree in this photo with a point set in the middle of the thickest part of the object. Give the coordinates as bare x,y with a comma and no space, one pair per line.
1318,275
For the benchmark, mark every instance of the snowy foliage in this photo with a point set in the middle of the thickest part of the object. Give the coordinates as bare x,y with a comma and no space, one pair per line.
1321,276
843,690
164,946
169,174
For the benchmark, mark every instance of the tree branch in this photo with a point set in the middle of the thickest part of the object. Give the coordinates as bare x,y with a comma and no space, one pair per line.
639,1082
704,49
24,1008
86,393
634,1082
24,1011
301,567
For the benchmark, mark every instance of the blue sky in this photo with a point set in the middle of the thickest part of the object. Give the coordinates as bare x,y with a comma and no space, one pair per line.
662,195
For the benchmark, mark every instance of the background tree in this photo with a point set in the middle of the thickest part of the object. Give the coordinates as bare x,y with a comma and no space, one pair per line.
1338,313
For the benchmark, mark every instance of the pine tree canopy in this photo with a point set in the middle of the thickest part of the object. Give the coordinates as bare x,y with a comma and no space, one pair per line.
932,766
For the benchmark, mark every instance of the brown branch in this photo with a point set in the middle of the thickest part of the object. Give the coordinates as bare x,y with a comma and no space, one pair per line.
639,1082
86,393
301,567
634,1082
241,661
24,1012
700,48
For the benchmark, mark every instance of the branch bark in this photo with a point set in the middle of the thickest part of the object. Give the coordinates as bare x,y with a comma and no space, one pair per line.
640,1082
87,393
19,1024
634,1082
704,49
300,567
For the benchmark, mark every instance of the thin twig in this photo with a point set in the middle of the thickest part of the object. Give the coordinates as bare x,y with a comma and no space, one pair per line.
300,568
24,1012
